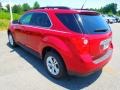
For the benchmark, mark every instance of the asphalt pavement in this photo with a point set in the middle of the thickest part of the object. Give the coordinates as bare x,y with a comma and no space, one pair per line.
20,70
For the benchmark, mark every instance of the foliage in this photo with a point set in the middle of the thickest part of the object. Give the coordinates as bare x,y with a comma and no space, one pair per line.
6,15
110,8
110,13
4,24
5,19
118,13
0,5
8,7
36,5
26,7
17,9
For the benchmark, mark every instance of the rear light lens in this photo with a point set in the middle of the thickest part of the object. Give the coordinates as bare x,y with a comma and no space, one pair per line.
85,41
81,44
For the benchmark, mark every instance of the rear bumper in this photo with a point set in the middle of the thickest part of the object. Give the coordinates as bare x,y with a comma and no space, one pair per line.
89,66
104,57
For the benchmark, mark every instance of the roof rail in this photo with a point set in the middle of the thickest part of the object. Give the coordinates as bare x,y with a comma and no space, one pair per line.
81,9
54,7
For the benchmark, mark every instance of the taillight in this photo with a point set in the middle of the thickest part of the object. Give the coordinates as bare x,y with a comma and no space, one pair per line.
81,44
85,41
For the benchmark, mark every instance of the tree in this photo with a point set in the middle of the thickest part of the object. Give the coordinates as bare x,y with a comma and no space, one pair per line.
36,5
0,5
26,7
17,9
8,7
118,12
110,8
1,8
110,13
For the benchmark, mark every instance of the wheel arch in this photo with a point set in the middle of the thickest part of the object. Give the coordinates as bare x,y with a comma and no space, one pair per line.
8,31
48,49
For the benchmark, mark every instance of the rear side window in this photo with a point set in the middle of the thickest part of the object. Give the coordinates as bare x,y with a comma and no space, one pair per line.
40,19
25,19
69,21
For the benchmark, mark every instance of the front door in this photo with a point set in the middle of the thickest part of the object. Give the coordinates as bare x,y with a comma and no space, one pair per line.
21,28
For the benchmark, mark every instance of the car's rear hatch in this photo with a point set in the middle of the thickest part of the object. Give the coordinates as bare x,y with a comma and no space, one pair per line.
98,33
99,44
93,27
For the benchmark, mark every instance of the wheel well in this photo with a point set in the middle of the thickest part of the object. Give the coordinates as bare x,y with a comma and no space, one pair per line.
48,49
8,31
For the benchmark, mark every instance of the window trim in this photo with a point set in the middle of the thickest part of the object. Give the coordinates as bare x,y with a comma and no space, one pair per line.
51,24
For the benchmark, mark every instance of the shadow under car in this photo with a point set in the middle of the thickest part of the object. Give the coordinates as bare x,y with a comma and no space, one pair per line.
69,82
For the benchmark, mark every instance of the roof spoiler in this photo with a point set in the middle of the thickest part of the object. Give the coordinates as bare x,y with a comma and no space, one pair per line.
54,7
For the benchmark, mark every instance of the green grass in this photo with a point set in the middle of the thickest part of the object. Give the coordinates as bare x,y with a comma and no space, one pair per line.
4,23
5,19
6,15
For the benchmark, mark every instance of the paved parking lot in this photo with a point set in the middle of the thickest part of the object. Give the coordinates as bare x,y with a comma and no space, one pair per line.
19,70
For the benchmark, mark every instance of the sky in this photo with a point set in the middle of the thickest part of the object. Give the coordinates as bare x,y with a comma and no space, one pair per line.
69,3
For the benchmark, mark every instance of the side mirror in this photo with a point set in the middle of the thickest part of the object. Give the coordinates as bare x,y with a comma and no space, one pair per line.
15,22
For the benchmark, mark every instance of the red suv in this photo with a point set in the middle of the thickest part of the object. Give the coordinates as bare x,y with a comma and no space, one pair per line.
77,42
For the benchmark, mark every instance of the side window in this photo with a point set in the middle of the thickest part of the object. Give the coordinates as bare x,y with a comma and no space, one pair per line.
69,21
40,19
25,19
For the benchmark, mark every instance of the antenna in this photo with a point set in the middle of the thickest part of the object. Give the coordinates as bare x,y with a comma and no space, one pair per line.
83,4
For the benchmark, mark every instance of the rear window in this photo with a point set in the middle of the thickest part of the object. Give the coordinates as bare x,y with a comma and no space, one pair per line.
94,24
88,24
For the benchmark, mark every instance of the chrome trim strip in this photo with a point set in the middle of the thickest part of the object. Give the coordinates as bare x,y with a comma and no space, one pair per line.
104,57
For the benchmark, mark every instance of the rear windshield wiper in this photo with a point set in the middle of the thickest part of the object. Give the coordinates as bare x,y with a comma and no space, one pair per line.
100,30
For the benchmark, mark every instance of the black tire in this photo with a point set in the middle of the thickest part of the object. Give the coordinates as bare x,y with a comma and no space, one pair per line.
61,66
10,36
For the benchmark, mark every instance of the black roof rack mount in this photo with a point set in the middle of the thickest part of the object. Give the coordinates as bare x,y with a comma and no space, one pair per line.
54,7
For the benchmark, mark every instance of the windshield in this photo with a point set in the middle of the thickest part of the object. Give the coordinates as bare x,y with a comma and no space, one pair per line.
89,24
